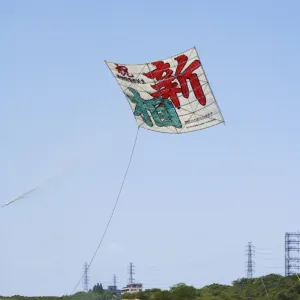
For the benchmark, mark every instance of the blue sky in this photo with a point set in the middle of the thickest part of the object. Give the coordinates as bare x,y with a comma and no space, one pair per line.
191,202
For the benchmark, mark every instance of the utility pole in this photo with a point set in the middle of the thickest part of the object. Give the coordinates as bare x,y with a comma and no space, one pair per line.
250,264
131,273
86,278
292,250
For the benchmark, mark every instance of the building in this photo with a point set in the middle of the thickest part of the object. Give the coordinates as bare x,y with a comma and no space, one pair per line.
114,289
132,288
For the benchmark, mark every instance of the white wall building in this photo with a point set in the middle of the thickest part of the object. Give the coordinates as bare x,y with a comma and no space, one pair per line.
132,288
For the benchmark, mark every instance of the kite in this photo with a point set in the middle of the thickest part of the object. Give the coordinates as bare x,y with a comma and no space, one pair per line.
20,197
171,95
25,194
37,187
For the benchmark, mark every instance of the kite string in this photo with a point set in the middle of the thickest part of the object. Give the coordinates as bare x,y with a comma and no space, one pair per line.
114,208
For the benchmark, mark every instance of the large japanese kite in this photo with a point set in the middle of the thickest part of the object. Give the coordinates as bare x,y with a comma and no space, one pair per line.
171,95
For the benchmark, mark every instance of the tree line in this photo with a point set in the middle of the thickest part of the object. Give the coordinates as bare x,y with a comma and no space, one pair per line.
270,287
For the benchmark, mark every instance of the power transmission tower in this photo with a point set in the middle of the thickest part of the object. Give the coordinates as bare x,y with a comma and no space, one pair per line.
131,273
86,278
115,280
250,264
292,250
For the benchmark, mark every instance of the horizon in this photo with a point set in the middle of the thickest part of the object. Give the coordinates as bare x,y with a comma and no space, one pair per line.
191,202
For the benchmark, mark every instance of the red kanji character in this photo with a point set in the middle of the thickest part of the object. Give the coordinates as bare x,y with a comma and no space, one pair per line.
167,88
123,70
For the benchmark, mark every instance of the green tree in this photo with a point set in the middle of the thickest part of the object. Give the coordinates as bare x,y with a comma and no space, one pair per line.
182,291
98,288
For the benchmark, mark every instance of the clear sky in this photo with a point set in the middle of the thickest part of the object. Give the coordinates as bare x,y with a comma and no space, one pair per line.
191,202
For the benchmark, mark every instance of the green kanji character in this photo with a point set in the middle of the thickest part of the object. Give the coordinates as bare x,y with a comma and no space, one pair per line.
162,111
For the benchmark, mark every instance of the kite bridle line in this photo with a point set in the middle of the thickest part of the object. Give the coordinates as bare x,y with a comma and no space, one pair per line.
113,210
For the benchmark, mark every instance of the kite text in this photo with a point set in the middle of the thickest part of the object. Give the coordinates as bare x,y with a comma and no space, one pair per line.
162,111
166,86
132,80
199,118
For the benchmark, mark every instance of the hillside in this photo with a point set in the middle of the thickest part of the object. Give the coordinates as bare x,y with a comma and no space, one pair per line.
270,287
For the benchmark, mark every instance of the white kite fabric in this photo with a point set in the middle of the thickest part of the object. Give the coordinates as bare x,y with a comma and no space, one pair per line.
171,95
